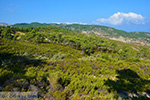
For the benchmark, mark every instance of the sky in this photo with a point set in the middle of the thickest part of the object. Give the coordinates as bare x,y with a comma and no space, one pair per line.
128,15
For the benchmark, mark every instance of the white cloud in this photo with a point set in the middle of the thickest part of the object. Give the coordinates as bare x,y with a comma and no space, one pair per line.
56,22
119,18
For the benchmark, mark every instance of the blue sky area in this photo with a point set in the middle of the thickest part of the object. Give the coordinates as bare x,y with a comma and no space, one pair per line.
128,15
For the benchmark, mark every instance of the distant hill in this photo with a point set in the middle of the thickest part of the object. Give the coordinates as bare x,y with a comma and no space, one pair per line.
33,24
108,32
4,24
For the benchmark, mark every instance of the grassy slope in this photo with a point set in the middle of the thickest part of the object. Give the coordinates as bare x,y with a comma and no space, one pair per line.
100,75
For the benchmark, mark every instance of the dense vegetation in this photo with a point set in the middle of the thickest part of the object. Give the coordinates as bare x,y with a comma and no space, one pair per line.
62,64
108,32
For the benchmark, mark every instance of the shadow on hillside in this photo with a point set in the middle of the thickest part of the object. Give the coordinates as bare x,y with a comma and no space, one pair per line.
11,65
129,84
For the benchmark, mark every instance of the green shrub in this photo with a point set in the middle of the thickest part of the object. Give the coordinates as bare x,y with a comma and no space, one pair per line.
54,80
5,75
58,56
31,72
59,95
42,58
105,57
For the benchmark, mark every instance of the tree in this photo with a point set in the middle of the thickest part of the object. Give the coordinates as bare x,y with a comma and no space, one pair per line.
59,36
7,33
33,31
39,38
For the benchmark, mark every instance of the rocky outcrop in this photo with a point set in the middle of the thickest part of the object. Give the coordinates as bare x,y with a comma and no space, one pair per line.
4,24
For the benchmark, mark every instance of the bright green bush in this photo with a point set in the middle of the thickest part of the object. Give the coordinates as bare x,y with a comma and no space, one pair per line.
60,95
31,72
41,58
58,56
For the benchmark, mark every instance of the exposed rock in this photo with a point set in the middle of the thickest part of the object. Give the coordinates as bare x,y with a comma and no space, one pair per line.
33,88
15,89
42,83
134,96
4,24
146,94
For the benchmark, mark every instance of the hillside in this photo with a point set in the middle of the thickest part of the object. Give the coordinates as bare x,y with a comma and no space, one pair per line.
62,64
108,32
